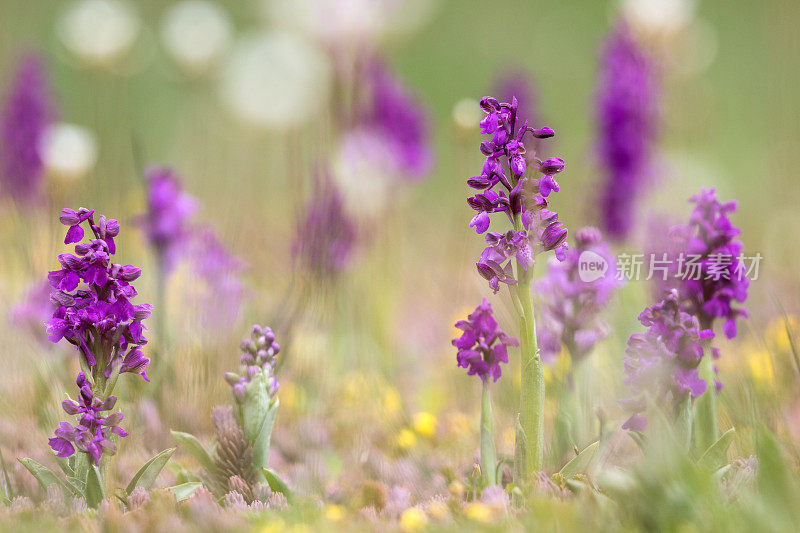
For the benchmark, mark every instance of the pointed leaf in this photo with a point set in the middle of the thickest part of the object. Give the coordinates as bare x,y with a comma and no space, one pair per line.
182,475
717,454
76,486
148,473
95,491
43,475
65,466
277,484
184,491
193,446
262,441
579,463
8,493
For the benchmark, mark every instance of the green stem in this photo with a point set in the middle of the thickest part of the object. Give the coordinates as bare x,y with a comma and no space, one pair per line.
531,402
685,422
706,429
488,453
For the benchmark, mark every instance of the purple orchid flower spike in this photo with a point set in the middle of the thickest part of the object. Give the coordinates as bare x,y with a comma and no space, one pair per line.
26,116
482,346
626,120
95,313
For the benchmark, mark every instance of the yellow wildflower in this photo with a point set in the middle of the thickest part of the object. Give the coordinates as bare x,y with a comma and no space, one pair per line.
334,513
413,519
776,335
761,368
425,424
479,512
406,439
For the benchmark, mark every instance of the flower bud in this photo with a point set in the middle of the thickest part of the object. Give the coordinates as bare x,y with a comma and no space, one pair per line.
551,166
543,133
490,104
554,235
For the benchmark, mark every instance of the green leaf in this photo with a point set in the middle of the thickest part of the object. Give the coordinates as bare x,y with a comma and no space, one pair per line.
717,454
579,463
182,475
639,439
95,491
43,475
277,484
193,446
184,491
262,441
148,473
65,466
8,493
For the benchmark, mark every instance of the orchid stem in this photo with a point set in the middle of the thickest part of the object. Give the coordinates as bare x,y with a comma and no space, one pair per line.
488,452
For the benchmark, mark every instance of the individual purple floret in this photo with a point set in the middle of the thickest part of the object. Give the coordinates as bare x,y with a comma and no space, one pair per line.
573,297
712,244
326,234
626,122
483,345
505,189
27,114
661,364
94,296
93,433
401,122
258,358
166,223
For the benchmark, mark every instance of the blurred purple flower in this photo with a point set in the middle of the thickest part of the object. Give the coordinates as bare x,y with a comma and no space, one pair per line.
662,362
218,276
166,223
34,309
571,306
325,235
483,345
27,113
396,116
626,122
94,431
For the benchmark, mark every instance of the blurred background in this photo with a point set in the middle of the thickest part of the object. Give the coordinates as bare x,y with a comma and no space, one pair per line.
247,100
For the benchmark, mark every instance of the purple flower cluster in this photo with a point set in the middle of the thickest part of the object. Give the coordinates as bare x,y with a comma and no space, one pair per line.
169,208
503,188
626,118
571,306
27,114
483,345
396,117
712,239
93,433
98,316
326,234
258,358
662,362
